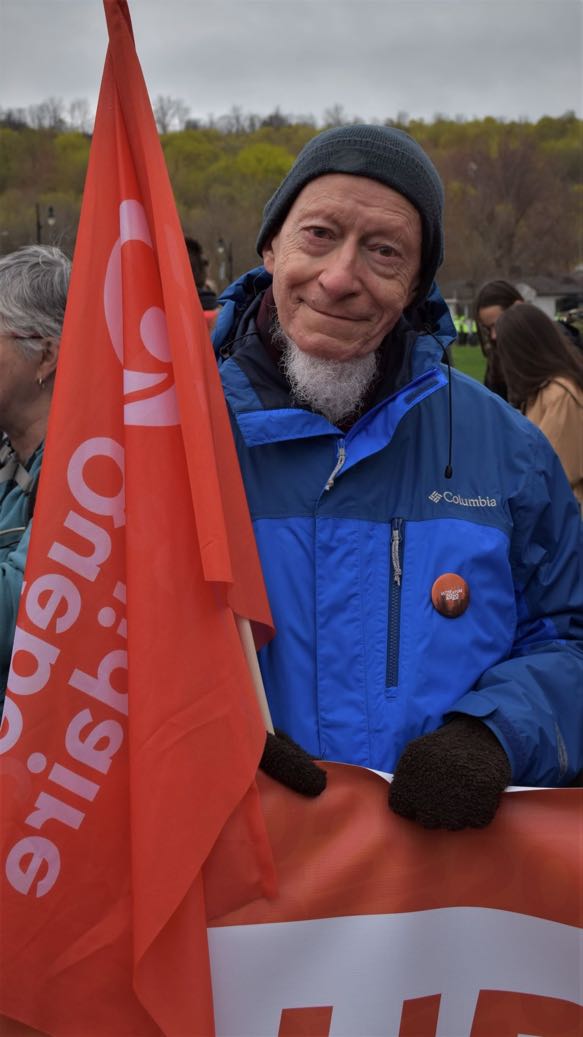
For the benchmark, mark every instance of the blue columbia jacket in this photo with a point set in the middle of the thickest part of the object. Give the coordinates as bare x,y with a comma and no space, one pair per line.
353,529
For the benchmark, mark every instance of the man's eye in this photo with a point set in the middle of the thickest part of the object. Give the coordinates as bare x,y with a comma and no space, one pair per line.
386,251
318,232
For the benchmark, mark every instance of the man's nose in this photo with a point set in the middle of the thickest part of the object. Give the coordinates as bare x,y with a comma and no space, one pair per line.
340,274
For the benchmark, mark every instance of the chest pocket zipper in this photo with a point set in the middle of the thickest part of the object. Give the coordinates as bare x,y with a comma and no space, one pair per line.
395,584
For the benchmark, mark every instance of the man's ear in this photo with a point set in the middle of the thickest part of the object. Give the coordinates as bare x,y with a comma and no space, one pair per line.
48,359
268,255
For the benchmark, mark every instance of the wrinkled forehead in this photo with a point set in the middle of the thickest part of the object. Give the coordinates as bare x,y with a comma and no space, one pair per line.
354,200
353,190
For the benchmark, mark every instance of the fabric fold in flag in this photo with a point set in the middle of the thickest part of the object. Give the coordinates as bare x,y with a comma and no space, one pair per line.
132,732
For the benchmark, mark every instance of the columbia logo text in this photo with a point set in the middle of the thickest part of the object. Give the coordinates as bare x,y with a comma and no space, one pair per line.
464,502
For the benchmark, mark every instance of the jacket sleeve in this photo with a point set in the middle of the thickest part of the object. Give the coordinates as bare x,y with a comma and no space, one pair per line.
562,424
533,700
11,576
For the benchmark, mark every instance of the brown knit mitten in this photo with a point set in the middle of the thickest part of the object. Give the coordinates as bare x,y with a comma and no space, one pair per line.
286,762
452,778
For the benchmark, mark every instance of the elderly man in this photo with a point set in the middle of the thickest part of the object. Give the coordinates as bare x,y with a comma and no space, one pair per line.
420,544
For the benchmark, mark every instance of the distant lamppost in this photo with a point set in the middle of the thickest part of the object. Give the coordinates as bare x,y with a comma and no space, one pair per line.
225,264
51,220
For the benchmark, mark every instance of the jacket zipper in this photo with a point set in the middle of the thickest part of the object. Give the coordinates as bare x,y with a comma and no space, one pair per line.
340,459
394,626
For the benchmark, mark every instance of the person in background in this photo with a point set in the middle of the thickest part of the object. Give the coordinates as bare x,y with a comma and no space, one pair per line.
415,531
543,373
33,293
473,339
493,298
199,266
570,329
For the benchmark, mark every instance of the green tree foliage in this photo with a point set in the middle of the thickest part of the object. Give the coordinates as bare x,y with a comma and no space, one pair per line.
188,156
12,152
510,209
71,158
513,195
247,176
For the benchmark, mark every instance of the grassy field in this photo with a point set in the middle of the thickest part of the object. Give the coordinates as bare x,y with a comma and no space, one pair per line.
470,360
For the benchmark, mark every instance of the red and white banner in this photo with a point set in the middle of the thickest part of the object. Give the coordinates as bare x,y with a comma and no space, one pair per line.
131,730
384,929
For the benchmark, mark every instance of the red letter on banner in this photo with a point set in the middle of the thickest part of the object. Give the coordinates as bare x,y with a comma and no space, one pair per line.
419,1016
507,1014
305,1022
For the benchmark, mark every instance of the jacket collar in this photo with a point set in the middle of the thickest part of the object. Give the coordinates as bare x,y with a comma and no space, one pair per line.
430,322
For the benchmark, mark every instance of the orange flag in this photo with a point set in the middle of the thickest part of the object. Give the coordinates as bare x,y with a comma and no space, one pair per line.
131,730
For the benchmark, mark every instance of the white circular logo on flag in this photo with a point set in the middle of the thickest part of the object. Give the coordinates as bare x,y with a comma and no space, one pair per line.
156,404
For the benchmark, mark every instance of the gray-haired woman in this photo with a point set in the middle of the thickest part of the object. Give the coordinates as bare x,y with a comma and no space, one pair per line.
33,294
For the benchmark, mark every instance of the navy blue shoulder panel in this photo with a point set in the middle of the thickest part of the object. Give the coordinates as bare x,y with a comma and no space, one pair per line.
234,301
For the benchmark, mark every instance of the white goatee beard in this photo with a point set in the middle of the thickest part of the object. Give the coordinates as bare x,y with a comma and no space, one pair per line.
334,388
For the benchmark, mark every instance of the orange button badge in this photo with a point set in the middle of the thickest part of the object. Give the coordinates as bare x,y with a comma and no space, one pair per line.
450,595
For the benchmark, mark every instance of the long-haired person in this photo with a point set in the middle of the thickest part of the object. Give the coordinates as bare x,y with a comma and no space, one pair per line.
491,301
544,376
33,293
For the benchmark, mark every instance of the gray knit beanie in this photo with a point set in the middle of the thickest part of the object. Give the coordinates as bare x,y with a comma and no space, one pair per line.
382,153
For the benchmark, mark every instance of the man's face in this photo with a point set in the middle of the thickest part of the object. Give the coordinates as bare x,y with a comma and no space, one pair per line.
345,264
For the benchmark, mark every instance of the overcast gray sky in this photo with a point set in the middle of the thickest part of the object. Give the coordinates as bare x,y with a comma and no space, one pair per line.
506,58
